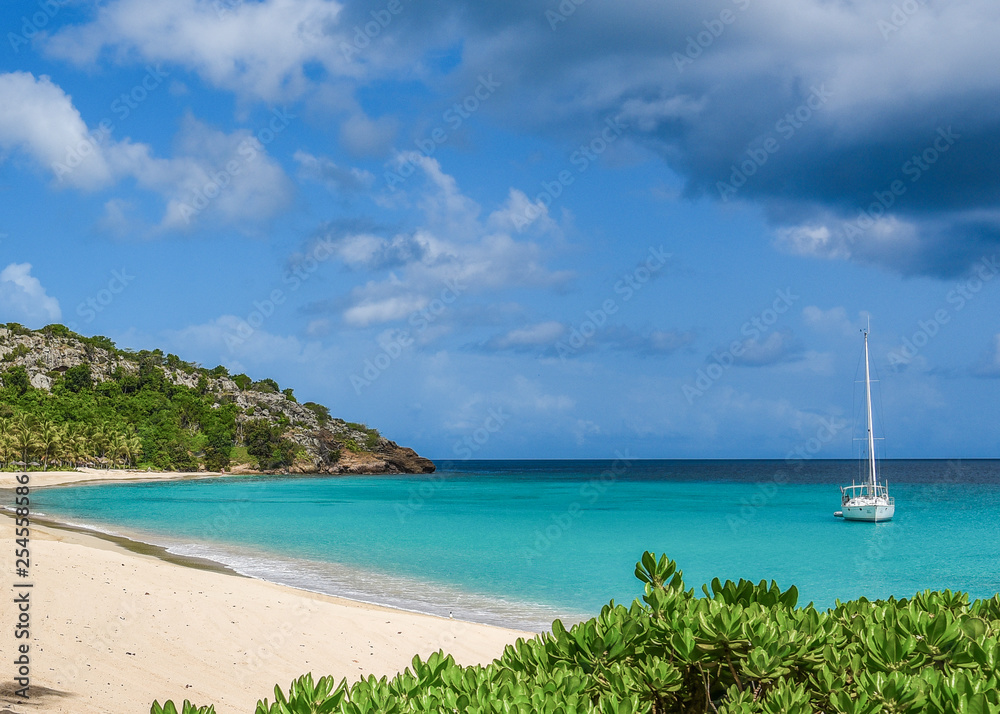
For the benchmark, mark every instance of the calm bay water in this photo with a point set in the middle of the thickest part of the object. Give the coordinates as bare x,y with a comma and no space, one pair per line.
522,542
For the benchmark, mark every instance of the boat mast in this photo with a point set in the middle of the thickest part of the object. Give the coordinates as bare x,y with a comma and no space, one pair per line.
868,405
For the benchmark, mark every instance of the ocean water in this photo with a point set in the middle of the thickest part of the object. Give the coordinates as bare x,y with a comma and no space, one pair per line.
519,543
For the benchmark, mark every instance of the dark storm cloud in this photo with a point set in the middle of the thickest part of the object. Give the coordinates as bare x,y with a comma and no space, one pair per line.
813,110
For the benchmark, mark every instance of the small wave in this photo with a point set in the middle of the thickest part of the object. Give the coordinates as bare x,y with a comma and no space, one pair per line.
360,585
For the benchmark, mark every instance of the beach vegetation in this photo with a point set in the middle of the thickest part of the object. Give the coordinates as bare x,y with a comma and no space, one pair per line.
186,708
73,401
734,648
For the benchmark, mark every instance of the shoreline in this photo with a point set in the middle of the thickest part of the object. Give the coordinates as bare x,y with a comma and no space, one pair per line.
135,543
81,476
160,547
141,602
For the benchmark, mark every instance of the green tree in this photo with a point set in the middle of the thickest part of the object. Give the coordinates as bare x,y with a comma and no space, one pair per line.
47,441
322,413
242,381
16,379
78,378
24,437
266,443
267,385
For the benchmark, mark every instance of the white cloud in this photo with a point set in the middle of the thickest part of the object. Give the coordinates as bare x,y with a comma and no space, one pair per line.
544,333
38,118
584,428
776,347
255,48
23,298
520,212
861,238
227,177
233,341
363,136
386,309
338,178
453,254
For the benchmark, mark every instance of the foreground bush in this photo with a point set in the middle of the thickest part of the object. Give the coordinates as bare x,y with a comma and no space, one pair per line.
743,648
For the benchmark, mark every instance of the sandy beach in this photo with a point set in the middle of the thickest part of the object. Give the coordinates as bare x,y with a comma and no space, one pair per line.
113,629
43,479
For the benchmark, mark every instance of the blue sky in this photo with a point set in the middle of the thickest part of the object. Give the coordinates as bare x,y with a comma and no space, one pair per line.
509,229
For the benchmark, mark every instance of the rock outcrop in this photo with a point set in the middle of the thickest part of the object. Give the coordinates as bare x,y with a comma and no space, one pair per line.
327,445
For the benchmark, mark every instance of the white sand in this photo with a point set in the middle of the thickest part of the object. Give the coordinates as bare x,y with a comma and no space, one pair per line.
112,630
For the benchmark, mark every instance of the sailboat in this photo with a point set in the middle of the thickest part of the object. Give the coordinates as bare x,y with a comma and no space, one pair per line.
869,501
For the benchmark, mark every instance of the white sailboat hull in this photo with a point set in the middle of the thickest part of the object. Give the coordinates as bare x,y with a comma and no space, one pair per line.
870,513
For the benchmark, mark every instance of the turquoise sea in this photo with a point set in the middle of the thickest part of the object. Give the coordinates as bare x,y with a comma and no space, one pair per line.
521,542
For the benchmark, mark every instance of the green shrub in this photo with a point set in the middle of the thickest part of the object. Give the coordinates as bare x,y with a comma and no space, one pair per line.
16,328
188,708
322,413
265,442
743,648
242,381
16,380
78,379
266,385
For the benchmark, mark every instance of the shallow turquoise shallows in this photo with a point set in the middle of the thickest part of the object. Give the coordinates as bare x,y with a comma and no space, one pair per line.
519,543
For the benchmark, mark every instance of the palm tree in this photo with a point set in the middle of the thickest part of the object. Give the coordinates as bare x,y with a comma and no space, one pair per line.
7,451
134,444
25,441
99,439
117,448
47,442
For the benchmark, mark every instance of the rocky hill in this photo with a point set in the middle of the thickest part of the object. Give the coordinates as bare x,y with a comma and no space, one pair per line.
58,363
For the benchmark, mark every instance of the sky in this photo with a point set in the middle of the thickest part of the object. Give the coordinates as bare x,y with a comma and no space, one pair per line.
573,229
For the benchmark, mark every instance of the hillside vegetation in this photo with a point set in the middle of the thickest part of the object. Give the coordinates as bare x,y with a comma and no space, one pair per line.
67,400
743,648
